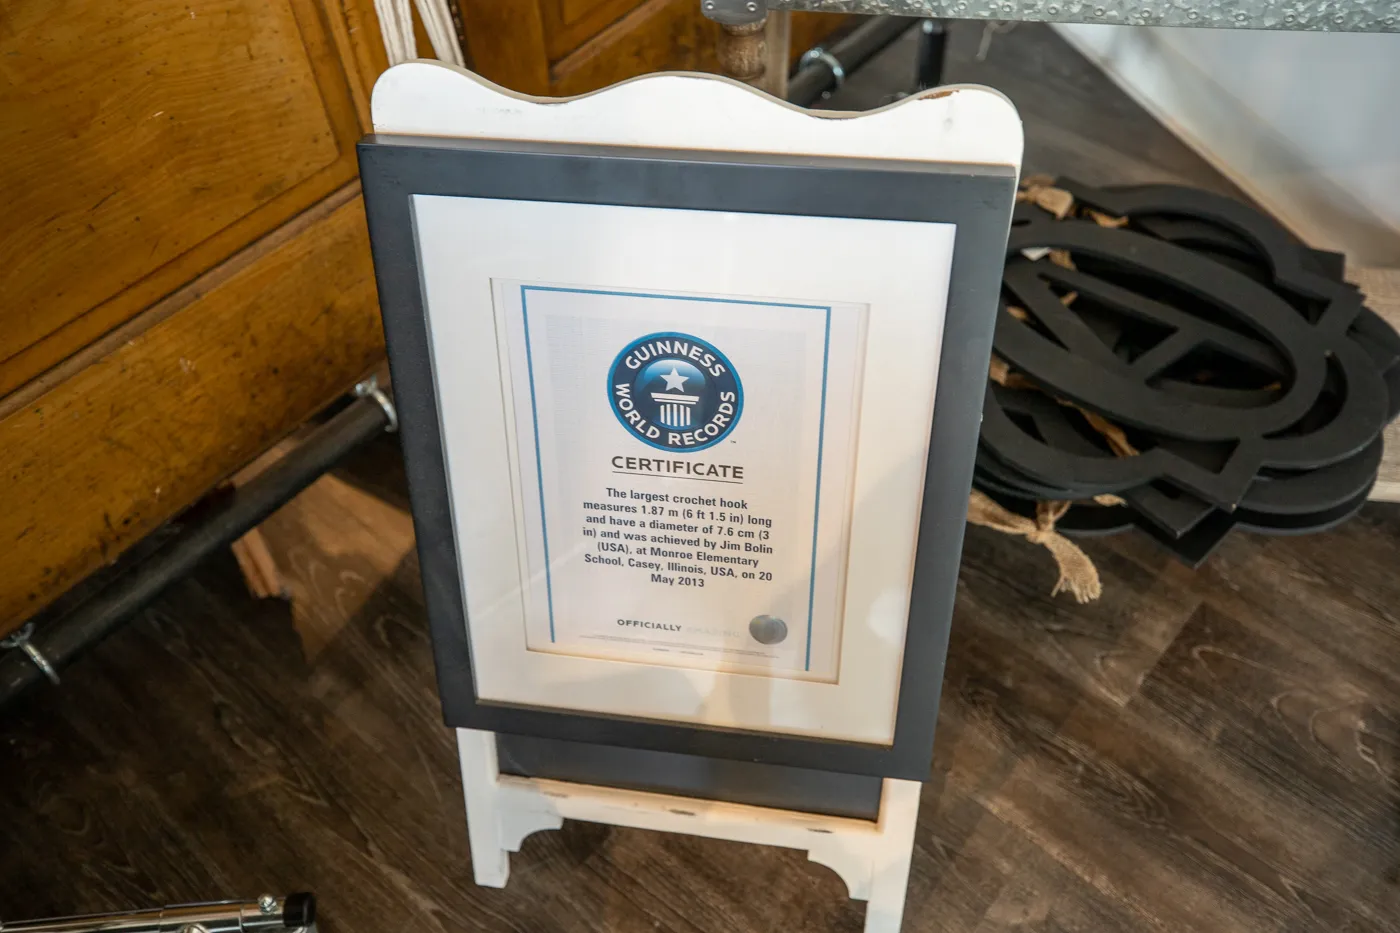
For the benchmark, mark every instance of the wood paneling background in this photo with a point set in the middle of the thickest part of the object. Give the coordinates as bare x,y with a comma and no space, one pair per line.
186,271
146,141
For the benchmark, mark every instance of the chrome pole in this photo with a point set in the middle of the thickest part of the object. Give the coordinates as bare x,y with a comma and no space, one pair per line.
267,914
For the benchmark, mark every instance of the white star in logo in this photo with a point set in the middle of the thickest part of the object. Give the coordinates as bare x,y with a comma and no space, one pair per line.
674,380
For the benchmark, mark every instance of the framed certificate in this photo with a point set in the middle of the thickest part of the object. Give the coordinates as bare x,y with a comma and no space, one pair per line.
689,435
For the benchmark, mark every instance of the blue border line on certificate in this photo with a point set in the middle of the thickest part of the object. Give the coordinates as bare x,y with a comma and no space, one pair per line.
817,505
539,467
821,428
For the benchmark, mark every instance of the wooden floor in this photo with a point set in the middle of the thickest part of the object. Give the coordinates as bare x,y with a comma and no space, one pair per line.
1207,751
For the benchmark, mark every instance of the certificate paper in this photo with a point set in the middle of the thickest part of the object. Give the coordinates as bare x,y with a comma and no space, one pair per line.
683,469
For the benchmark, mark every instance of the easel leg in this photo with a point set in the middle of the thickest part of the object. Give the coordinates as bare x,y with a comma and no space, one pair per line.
497,823
899,812
490,859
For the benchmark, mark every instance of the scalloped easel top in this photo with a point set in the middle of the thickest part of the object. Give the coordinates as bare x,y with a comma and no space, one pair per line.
684,110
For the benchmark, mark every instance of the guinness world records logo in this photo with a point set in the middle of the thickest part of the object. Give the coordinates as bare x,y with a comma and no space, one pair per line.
675,392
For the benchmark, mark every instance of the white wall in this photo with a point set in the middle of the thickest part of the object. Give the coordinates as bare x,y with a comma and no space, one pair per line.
1306,123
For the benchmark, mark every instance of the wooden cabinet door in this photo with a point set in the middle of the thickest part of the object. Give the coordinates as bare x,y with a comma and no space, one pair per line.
145,141
183,260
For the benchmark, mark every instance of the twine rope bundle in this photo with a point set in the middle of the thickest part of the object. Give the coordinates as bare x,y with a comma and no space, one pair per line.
1078,575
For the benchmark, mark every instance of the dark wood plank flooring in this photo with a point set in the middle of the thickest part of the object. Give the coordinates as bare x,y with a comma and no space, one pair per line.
1217,750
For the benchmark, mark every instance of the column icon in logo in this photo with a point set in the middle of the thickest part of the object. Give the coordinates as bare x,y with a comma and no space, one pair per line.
674,410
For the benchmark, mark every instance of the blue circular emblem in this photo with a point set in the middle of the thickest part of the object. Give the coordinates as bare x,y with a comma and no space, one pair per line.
675,392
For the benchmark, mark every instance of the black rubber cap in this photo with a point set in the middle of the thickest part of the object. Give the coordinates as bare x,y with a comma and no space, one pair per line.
299,910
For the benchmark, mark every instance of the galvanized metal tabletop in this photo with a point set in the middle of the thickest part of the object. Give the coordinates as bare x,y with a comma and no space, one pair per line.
1314,15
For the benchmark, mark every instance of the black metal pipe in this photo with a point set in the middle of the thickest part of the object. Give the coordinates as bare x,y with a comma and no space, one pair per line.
933,48
855,49
65,638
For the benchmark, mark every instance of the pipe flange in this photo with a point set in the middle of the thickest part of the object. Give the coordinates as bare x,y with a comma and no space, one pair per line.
370,389
21,640
819,54
734,12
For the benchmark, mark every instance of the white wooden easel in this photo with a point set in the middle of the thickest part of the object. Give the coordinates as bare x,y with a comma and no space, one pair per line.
871,857
690,111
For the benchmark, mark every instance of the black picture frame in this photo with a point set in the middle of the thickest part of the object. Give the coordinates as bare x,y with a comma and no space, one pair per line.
977,199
